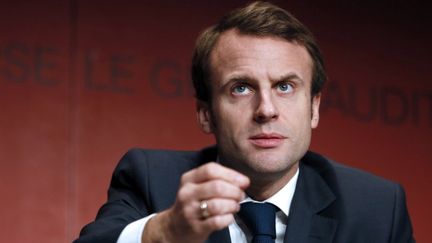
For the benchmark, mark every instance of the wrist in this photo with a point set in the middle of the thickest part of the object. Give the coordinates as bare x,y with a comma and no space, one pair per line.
159,229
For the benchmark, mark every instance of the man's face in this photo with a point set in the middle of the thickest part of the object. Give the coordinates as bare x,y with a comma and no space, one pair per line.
261,111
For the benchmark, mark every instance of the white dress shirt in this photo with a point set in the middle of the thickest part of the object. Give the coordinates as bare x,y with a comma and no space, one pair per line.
238,231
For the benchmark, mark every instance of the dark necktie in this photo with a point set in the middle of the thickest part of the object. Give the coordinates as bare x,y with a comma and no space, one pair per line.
260,220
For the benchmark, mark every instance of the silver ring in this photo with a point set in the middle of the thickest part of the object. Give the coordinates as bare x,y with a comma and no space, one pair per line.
204,209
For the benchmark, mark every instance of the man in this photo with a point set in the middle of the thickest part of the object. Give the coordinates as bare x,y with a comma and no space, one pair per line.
258,76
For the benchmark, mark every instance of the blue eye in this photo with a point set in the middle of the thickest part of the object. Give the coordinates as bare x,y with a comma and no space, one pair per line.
285,87
241,90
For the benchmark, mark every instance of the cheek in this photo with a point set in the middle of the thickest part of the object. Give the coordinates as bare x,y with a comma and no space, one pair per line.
298,110
231,122
222,118
231,113
297,118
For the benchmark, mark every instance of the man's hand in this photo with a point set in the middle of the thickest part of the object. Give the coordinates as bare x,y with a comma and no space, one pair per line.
218,186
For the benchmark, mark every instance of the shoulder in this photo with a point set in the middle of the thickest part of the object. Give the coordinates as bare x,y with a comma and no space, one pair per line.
328,168
363,201
351,183
140,163
138,157
154,175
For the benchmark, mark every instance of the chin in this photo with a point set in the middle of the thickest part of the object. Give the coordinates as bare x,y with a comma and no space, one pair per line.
269,163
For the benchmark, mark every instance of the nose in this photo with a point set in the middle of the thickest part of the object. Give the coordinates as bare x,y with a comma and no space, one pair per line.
266,109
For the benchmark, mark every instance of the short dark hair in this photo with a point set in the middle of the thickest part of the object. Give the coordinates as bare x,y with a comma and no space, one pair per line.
259,19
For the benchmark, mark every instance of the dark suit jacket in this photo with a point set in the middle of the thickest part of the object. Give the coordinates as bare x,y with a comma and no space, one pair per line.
332,202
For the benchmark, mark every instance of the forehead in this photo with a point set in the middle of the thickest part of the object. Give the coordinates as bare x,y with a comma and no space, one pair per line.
241,54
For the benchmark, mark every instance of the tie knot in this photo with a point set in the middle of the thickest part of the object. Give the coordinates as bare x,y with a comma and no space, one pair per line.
259,218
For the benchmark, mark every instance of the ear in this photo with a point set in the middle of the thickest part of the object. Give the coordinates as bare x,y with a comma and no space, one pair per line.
316,100
204,116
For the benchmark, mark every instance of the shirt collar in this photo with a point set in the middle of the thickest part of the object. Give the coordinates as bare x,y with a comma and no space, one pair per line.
283,198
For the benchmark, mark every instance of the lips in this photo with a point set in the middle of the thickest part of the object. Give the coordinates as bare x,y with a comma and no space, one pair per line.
267,140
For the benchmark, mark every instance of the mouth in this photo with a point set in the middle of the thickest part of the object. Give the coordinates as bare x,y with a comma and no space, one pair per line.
267,140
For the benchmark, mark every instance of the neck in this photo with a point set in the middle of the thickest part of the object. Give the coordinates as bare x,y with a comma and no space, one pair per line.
263,187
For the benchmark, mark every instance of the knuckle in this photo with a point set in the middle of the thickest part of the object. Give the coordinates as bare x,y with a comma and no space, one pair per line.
212,166
213,207
210,169
183,194
188,176
218,187
183,179
207,170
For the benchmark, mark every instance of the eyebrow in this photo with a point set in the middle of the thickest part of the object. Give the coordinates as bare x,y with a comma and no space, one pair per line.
246,78
242,78
289,76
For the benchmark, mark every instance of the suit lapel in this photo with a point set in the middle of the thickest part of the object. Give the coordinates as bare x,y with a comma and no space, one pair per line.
312,196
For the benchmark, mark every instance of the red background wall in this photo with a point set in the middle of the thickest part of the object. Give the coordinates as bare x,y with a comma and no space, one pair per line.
83,81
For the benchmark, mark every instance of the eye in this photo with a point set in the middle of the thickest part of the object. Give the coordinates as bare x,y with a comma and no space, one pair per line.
284,87
241,89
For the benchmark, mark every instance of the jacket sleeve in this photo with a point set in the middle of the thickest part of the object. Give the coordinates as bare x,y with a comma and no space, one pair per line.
402,231
126,202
